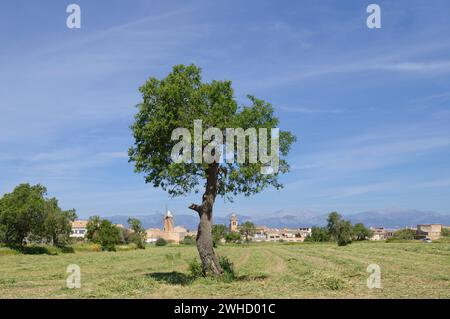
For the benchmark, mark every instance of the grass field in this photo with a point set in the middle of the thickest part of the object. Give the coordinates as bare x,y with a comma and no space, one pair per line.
308,270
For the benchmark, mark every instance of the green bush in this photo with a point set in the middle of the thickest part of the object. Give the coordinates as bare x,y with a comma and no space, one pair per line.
5,251
233,237
161,242
195,268
333,283
318,234
103,232
228,269
67,249
405,234
189,240
229,274
87,247
109,247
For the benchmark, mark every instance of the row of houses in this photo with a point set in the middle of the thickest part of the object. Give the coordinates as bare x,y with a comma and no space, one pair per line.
168,232
426,231
264,233
177,234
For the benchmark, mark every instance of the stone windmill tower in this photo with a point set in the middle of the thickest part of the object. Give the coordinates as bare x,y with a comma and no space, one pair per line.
168,222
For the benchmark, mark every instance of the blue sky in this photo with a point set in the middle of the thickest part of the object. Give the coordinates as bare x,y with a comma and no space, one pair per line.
370,108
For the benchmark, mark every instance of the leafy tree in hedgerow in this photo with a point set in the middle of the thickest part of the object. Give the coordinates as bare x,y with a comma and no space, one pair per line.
318,234
22,212
361,232
445,232
103,232
27,215
219,231
405,234
188,240
125,236
344,233
175,102
57,223
340,230
247,230
138,232
233,237
333,221
108,235
92,229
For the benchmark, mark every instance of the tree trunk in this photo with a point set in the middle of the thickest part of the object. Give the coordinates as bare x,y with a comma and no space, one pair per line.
210,262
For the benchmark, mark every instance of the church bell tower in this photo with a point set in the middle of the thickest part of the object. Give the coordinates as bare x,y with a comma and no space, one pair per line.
233,223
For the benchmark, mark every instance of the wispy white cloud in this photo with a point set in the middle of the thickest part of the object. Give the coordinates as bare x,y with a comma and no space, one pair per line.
413,60
437,183
309,110
356,156
355,190
63,163
434,66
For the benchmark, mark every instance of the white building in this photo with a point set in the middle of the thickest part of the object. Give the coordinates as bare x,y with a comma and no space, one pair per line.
79,229
274,234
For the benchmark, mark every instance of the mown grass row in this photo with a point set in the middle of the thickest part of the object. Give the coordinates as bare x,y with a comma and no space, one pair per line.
263,271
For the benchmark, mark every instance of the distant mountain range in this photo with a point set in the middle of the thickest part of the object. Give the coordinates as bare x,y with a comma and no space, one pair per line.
279,219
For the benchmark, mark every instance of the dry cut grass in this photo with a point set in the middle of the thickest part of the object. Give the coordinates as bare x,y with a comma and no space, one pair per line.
308,270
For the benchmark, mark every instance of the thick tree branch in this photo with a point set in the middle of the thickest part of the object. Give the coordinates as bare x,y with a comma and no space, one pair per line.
196,207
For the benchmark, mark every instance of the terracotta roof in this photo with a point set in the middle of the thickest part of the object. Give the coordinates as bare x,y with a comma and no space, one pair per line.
79,224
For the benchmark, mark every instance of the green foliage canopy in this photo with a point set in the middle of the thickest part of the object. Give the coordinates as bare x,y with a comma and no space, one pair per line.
175,102
27,215
247,229
405,234
361,232
318,234
219,231
138,233
103,232
344,233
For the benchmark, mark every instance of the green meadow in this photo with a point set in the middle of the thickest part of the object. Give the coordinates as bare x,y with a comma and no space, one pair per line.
264,270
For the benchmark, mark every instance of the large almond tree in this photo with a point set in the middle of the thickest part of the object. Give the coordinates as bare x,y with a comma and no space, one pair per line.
175,102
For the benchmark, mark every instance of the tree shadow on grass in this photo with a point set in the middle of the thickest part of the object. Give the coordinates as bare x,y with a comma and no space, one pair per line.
178,278
41,250
67,250
171,278
34,250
